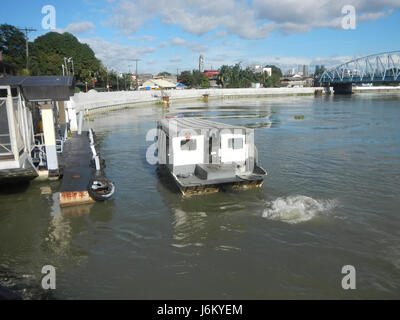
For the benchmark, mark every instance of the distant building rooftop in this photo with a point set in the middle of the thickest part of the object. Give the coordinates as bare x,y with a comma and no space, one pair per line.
161,83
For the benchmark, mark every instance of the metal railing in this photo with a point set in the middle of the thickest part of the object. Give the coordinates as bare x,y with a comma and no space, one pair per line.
381,67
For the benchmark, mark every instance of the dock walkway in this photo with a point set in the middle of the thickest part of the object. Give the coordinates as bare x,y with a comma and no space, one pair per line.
77,172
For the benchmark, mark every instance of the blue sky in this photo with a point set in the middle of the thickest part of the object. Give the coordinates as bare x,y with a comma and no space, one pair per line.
170,34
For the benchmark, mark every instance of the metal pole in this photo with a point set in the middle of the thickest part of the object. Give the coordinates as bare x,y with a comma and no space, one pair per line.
136,76
136,72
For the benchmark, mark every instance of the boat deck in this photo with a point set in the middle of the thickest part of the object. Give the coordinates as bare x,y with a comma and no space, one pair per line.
194,183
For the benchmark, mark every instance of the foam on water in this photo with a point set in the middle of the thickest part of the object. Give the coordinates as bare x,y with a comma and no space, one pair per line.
295,209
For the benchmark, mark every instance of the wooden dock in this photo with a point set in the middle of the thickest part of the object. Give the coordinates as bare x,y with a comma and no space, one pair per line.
77,170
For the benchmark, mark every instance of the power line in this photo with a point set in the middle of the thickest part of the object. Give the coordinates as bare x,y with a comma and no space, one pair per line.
27,30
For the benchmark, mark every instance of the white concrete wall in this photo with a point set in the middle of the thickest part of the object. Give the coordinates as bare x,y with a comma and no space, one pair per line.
90,101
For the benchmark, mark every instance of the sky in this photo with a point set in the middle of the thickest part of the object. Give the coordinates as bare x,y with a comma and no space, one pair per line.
169,35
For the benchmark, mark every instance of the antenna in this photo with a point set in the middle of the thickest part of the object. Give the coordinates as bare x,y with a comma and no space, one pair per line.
27,30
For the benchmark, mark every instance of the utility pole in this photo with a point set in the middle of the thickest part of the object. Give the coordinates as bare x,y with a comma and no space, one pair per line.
136,73
27,30
108,84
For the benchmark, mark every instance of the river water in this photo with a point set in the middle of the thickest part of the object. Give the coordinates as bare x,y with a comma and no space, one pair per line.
331,198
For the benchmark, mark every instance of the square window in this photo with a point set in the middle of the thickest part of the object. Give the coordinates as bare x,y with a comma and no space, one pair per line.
235,143
188,145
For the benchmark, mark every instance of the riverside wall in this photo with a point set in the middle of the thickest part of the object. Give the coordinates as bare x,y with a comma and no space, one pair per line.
92,101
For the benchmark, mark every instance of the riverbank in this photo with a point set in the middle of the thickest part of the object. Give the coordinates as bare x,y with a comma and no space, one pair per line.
93,102
380,89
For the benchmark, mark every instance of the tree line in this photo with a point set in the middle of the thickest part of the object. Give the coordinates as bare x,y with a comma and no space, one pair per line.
233,77
47,53
46,57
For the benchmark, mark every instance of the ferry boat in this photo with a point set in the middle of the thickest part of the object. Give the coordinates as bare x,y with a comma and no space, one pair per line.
204,156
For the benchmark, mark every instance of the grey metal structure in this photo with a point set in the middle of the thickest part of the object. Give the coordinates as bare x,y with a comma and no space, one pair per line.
23,149
203,156
16,136
376,68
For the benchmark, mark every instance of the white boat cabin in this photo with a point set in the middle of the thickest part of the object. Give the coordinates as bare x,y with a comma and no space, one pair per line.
184,143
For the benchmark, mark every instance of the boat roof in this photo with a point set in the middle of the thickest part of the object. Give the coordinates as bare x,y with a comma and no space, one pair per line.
192,123
42,88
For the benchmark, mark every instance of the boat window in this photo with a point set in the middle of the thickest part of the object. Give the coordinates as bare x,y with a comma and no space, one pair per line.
188,145
235,143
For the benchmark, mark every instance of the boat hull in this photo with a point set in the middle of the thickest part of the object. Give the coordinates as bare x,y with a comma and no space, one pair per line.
244,182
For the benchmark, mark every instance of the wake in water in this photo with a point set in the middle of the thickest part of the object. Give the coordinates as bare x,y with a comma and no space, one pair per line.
295,209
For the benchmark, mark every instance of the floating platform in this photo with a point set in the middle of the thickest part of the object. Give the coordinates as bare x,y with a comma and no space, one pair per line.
204,156
75,162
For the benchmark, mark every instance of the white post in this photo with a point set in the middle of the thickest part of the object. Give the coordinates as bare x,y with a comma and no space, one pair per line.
73,125
49,137
11,124
80,122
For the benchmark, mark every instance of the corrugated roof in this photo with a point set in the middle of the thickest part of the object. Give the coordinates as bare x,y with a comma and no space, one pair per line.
159,83
34,88
176,125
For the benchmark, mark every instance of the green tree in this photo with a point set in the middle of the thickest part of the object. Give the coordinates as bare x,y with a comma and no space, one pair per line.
236,77
275,70
164,74
13,45
194,79
48,52
275,79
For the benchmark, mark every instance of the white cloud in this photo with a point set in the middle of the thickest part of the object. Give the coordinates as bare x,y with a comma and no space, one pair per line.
144,38
175,59
80,27
193,46
248,19
163,44
114,55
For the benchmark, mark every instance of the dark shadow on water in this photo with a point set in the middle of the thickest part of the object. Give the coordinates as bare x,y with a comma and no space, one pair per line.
165,180
22,287
12,188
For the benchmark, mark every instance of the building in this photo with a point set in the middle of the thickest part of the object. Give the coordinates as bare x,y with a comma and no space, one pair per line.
157,84
306,71
295,81
303,70
268,71
257,68
291,72
211,74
